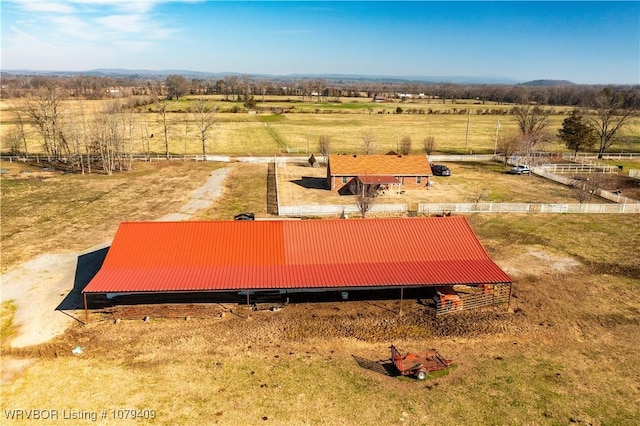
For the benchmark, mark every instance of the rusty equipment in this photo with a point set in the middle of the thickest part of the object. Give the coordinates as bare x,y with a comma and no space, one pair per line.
419,365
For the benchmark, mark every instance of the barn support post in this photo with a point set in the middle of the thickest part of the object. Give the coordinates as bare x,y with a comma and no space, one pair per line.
248,298
86,311
401,297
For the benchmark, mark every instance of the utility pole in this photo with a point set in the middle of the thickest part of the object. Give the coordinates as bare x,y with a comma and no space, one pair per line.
495,146
466,139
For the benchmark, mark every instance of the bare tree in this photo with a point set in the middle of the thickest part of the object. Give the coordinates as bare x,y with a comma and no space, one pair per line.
44,112
368,145
204,117
405,145
177,86
231,84
263,86
21,133
128,123
146,140
508,145
532,124
585,189
75,134
579,191
324,146
609,119
164,119
478,197
429,144
102,135
14,141
364,197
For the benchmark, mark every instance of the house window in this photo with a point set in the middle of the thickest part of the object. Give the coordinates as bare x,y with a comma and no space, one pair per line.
418,180
344,179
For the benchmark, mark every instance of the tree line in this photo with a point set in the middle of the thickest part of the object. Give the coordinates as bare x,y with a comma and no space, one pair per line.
245,87
102,140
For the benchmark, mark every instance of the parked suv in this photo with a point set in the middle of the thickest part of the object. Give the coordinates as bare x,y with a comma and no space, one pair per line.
440,170
520,170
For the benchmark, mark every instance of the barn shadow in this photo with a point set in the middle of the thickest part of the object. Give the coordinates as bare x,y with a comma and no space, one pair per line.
383,366
88,266
311,182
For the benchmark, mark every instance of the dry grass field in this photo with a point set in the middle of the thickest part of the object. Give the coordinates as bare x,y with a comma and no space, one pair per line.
299,129
564,353
45,211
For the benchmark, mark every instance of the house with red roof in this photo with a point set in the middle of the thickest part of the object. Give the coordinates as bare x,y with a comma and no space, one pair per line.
248,258
346,173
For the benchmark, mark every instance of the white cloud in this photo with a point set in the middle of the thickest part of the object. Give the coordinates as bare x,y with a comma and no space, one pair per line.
47,7
73,27
123,23
81,31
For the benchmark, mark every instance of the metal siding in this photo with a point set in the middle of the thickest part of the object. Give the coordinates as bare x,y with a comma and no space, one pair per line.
216,256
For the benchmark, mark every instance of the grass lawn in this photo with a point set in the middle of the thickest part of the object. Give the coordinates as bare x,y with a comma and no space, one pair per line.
303,185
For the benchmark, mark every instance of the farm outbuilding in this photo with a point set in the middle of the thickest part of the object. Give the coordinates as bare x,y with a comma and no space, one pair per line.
249,260
392,171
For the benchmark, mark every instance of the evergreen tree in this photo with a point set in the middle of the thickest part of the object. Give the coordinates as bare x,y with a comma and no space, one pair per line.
576,133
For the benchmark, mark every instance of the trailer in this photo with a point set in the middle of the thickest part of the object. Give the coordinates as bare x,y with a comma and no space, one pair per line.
419,365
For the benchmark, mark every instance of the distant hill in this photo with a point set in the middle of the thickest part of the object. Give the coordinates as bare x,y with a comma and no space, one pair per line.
160,74
548,83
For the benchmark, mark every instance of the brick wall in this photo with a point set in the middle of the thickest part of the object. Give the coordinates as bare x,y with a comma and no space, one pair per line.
407,182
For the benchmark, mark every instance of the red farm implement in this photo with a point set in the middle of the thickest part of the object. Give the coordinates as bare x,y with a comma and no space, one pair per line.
418,365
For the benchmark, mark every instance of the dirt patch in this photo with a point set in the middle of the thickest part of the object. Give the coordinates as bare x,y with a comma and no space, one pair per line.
538,261
613,182
12,368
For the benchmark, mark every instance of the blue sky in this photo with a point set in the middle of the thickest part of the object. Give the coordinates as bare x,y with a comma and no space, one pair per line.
585,42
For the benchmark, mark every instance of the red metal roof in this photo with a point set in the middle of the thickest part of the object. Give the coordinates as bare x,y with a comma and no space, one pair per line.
261,255
378,179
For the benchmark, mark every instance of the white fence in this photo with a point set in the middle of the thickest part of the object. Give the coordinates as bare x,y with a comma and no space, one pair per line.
337,210
611,156
580,168
634,173
279,159
432,209
459,158
616,197
447,208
